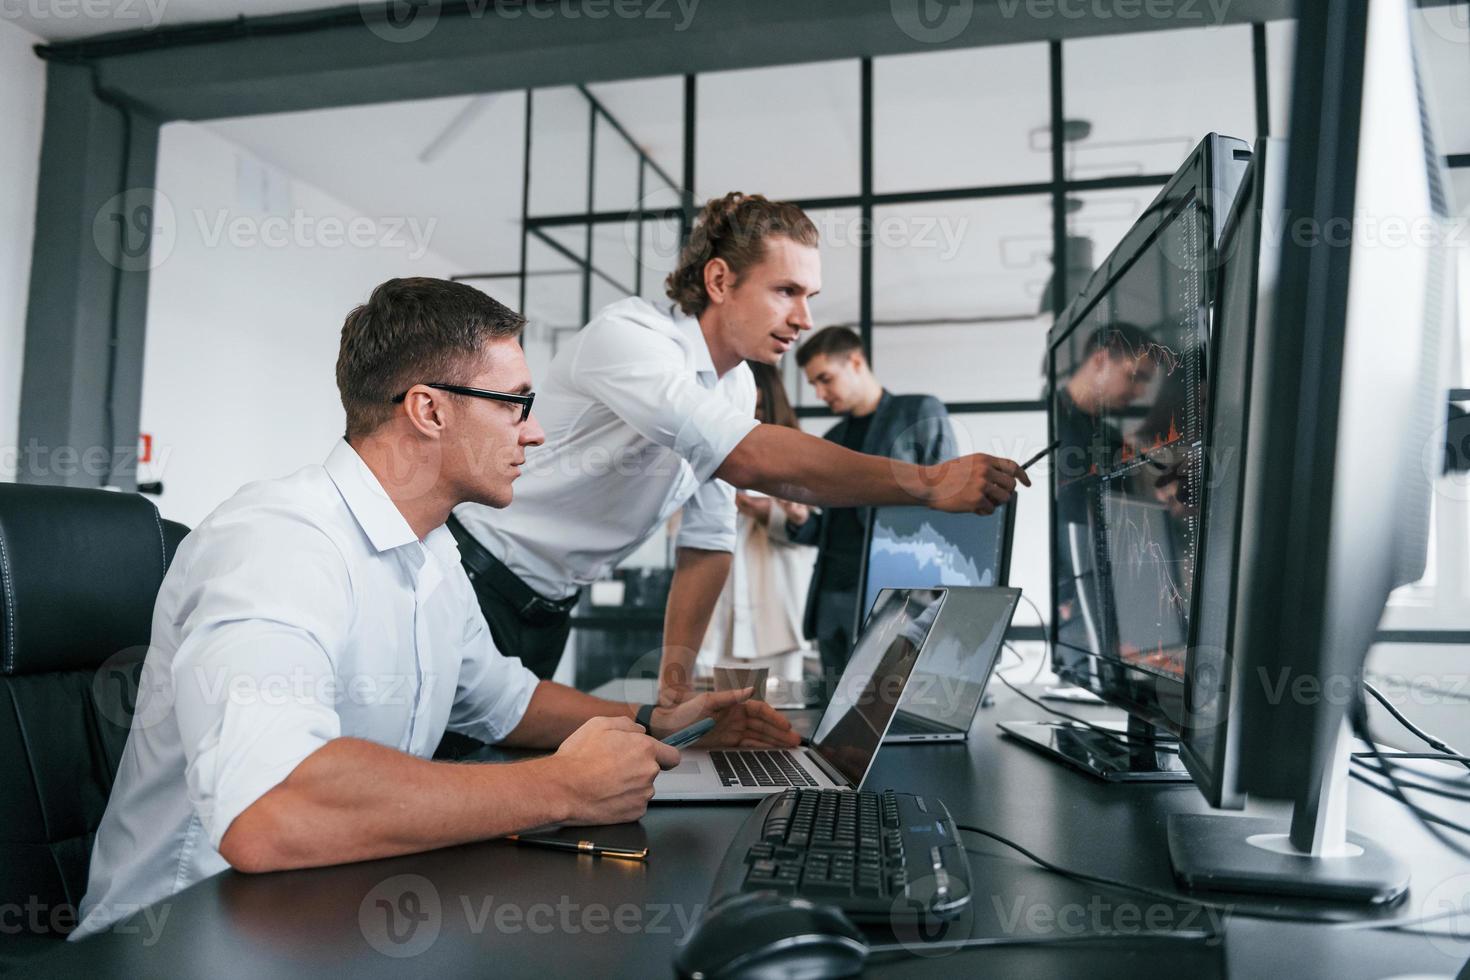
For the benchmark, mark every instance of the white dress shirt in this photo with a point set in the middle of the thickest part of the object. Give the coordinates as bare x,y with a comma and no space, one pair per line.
302,609
637,421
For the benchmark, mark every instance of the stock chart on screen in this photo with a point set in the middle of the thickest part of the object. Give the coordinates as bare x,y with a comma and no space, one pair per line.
1129,410
914,547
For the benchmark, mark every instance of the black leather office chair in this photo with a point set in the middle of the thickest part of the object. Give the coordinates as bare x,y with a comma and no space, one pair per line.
79,572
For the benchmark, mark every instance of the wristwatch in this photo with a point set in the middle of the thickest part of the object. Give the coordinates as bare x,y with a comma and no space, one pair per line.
645,717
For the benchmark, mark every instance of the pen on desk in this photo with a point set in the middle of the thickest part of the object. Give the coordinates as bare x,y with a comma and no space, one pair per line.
581,847
1038,457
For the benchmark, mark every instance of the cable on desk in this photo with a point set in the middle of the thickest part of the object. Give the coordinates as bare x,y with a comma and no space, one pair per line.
1452,794
977,942
1420,684
1358,717
1419,733
1160,745
1427,815
1045,638
1395,925
1433,756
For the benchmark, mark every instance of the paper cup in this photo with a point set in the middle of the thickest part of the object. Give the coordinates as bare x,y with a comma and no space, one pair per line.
736,678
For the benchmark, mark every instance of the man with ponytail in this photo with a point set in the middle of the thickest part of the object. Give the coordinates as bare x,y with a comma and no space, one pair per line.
650,409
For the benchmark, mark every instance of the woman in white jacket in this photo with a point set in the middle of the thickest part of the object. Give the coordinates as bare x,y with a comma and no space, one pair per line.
757,620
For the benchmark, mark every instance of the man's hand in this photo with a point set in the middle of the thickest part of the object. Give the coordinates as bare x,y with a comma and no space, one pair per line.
758,508
971,484
606,769
796,514
739,721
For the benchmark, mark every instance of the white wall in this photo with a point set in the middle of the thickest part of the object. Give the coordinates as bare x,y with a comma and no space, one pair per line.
244,315
22,100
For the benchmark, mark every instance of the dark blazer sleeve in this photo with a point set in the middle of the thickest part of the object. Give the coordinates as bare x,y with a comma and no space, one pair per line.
811,531
808,533
933,438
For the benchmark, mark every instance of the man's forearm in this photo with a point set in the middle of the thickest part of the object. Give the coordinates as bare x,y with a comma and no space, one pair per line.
794,465
556,711
699,577
326,812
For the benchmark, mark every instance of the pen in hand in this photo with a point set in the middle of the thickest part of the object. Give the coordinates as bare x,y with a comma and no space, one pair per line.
1041,455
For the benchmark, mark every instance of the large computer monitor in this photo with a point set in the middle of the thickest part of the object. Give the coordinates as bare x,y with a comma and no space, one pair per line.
1329,387
919,548
1129,376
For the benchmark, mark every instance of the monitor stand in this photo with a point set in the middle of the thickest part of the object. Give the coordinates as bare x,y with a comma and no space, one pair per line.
1315,857
1135,753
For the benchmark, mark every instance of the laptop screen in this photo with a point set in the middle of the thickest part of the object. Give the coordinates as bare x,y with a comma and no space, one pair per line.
857,717
950,680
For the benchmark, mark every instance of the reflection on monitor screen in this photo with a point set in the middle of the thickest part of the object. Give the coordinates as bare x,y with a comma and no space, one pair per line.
1130,413
855,721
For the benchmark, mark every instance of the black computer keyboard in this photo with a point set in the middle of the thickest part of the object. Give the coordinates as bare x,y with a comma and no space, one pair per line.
878,856
759,767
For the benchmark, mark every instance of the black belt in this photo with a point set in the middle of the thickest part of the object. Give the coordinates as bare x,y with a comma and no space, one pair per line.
533,607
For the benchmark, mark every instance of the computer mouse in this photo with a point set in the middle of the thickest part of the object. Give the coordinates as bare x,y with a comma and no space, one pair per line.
760,935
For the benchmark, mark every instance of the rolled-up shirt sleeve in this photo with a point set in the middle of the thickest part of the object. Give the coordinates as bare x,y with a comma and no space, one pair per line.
708,519
640,375
253,680
493,690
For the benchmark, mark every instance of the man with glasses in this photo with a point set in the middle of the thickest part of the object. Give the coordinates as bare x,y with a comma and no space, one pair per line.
314,638
650,411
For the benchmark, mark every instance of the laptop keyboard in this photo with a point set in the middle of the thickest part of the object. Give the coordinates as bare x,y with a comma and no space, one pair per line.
760,767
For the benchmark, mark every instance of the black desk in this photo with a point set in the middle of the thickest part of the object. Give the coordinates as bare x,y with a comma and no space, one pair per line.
494,909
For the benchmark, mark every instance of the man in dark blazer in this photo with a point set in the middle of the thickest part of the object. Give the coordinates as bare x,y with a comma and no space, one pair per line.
912,428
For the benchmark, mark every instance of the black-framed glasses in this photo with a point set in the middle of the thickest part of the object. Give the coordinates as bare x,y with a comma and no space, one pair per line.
524,401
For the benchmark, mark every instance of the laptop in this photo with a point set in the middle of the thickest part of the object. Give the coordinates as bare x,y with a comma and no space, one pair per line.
944,693
851,729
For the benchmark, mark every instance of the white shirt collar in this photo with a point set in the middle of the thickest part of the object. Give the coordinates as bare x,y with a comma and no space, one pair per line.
704,363
377,515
